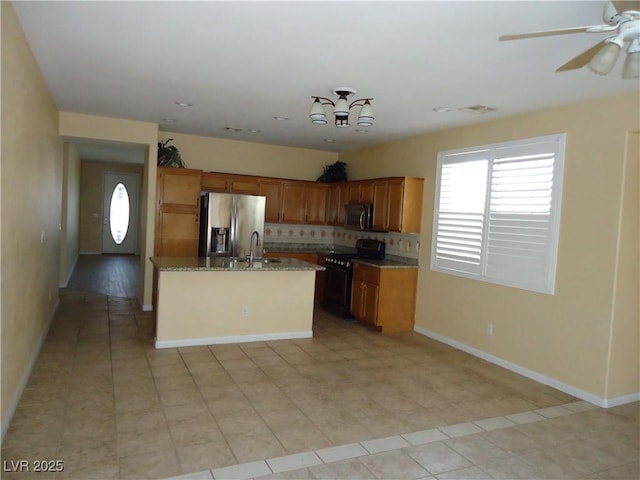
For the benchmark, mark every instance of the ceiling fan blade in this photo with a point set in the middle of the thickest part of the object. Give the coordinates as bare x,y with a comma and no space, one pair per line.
626,5
547,33
582,59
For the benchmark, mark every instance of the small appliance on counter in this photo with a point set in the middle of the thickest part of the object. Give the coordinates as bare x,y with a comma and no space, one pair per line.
229,222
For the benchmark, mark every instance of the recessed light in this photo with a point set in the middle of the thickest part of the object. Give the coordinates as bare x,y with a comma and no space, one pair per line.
169,120
442,109
184,104
329,140
478,109
253,130
281,119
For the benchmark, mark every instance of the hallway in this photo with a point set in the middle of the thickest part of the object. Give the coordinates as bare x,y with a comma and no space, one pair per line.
113,275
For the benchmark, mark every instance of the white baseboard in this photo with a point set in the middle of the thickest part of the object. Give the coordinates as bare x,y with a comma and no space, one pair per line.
24,378
69,273
263,337
147,308
621,400
538,377
90,253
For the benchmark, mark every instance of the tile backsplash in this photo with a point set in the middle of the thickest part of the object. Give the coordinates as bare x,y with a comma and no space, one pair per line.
400,244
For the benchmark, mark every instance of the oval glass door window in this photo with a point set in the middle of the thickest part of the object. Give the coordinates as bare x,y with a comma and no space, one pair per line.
119,213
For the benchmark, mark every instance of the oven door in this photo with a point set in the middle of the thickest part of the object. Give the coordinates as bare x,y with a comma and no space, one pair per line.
337,290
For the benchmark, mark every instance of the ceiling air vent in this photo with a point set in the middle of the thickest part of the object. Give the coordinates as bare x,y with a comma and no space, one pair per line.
478,109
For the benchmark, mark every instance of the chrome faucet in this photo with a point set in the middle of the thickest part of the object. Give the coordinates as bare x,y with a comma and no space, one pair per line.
257,244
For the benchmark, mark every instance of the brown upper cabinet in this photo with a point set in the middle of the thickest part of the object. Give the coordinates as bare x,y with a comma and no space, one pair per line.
245,184
293,210
397,201
404,206
304,202
272,190
337,194
225,182
361,191
316,203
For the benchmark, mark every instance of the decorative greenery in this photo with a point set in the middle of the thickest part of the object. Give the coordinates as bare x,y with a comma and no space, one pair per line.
336,172
169,156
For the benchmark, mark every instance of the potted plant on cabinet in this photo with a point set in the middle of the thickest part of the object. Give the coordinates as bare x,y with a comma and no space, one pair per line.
169,155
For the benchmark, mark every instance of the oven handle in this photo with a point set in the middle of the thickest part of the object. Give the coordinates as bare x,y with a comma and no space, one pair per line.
362,220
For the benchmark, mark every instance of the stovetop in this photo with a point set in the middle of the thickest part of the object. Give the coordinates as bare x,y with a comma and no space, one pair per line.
365,249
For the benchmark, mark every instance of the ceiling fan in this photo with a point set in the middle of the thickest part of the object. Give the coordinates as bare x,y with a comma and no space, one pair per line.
602,57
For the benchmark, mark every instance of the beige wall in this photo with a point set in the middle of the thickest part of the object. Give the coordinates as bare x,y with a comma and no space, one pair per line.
81,126
624,365
232,156
91,199
31,204
566,336
70,215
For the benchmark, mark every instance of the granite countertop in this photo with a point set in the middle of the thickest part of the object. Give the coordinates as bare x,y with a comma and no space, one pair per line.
389,262
192,264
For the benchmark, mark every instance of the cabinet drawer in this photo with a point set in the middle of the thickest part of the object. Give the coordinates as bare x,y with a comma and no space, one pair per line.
366,272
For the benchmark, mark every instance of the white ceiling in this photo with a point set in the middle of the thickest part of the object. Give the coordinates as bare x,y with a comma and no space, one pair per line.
242,63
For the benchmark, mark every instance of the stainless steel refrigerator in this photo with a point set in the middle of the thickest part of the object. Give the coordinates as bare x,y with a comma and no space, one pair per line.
228,222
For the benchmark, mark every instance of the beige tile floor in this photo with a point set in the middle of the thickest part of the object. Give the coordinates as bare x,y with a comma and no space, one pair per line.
351,402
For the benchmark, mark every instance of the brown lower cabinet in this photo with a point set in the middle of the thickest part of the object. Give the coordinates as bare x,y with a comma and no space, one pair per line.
384,297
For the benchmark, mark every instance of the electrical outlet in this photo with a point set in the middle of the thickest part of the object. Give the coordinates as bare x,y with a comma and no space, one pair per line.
490,329
244,311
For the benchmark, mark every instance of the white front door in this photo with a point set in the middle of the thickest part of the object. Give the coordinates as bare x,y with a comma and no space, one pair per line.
120,213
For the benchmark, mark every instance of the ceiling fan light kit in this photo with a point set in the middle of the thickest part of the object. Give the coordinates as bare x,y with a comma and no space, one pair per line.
602,62
602,58
341,109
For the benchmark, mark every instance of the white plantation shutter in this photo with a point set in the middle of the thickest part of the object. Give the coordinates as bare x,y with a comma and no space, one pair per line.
460,223
497,212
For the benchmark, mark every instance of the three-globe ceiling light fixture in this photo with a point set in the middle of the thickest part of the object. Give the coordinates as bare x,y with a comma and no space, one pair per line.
341,109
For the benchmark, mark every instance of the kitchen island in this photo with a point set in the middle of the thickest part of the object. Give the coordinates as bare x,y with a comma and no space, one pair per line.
205,301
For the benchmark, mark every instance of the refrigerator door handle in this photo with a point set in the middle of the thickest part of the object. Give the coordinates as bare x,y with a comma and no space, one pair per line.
234,230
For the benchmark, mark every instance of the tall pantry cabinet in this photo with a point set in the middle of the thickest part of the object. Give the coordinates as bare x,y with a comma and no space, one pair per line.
178,212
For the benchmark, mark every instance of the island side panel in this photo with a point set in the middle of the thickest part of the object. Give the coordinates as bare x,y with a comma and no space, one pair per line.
208,307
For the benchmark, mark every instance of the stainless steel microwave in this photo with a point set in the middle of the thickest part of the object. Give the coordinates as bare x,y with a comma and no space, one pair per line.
358,216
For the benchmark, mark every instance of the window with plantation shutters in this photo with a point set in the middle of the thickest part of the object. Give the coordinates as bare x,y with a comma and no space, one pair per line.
497,211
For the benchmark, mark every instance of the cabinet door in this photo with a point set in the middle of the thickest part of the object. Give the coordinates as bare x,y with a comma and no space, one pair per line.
272,190
366,192
395,205
354,193
179,186
247,186
315,203
177,233
357,299
333,204
370,303
344,195
293,202
215,182
380,205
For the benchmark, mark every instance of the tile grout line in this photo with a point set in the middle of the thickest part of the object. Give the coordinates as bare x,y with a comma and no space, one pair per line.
384,444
